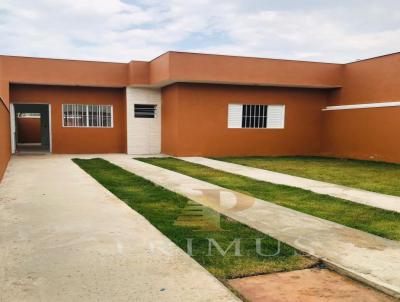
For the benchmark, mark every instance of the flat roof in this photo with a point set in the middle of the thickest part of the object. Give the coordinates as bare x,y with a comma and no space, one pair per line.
199,53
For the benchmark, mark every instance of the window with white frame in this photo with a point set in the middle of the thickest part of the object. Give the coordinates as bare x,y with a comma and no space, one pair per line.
97,116
256,116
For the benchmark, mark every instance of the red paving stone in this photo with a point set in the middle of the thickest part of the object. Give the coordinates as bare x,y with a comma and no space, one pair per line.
311,285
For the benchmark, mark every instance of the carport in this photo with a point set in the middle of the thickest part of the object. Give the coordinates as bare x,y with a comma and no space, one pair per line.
30,128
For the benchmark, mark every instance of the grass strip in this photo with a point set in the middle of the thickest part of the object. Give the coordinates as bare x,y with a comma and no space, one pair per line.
164,208
372,176
369,219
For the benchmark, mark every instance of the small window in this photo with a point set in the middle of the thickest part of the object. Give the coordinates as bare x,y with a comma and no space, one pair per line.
145,111
256,116
97,116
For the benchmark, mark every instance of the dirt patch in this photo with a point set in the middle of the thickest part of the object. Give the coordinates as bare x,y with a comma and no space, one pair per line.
310,285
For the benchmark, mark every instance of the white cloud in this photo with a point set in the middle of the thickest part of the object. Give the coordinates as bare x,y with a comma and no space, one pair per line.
116,30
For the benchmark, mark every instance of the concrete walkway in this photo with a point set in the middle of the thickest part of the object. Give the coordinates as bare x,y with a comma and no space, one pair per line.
63,237
377,200
368,258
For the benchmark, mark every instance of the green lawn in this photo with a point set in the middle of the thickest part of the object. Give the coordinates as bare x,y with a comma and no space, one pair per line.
162,208
376,221
368,175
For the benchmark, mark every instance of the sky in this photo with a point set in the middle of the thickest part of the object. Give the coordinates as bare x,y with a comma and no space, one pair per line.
335,31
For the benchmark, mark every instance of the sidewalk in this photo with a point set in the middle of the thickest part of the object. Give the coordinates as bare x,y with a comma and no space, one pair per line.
368,258
377,200
64,237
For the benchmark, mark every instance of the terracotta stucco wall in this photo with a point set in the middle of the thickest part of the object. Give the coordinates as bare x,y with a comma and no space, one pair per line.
194,115
169,68
28,130
173,67
4,92
5,147
365,133
247,70
169,120
370,81
79,140
195,121
26,70
3,84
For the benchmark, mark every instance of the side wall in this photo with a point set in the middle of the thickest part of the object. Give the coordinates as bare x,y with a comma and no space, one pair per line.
5,145
78,140
370,134
28,130
369,81
365,133
195,117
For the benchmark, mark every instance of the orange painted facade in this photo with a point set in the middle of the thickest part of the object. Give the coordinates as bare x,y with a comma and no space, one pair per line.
78,140
195,121
173,67
369,134
370,81
196,90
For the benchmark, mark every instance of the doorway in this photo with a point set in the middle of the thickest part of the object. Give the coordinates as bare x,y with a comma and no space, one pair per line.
30,125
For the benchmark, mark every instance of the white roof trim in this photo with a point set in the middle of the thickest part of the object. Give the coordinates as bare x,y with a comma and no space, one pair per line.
362,106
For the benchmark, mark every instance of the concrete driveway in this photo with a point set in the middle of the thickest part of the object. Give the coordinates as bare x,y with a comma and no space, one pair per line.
63,237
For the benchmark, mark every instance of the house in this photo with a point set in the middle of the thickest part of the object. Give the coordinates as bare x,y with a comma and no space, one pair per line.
188,104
